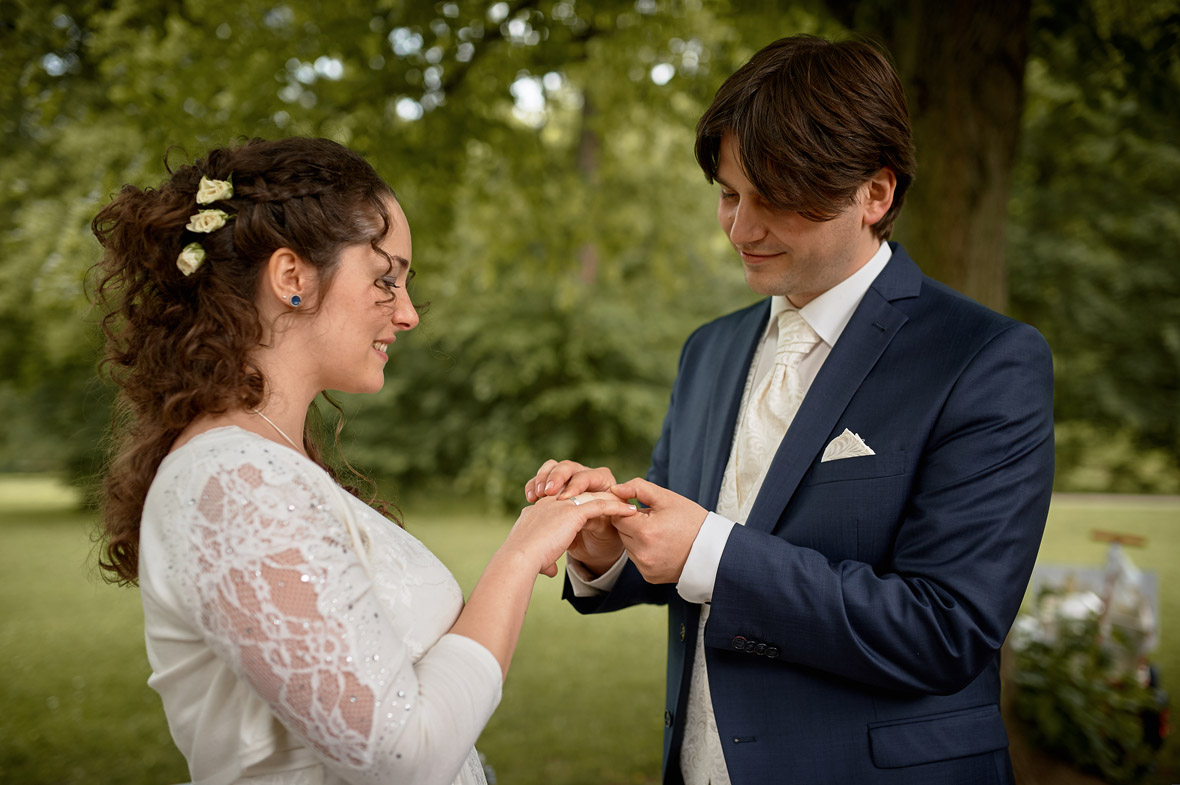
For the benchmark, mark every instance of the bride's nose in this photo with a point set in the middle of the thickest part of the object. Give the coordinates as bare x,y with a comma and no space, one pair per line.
405,315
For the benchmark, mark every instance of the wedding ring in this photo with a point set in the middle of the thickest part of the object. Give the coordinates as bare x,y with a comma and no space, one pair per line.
582,498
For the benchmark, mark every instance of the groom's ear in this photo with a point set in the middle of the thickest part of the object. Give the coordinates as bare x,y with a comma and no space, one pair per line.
877,195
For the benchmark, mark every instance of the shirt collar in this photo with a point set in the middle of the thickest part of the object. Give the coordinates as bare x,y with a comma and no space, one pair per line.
830,313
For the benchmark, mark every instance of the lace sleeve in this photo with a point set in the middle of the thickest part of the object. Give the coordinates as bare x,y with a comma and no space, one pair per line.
282,597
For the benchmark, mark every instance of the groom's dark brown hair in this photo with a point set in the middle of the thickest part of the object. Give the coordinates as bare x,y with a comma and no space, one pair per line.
813,120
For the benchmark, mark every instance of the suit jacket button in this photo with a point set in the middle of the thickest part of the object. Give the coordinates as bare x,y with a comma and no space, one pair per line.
772,652
761,649
683,630
751,645
739,642
667,718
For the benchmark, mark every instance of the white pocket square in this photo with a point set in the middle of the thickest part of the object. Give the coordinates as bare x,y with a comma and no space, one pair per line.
846,445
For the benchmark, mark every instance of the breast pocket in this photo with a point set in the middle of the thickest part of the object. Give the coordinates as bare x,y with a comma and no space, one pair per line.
850,508
862,467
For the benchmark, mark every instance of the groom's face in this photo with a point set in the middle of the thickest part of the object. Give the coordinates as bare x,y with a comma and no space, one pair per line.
782,252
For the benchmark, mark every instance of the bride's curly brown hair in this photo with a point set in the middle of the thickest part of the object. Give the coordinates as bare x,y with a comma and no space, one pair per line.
180,346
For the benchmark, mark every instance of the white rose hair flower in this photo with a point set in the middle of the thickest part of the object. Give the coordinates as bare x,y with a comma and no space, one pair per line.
190,259
206,221
212,190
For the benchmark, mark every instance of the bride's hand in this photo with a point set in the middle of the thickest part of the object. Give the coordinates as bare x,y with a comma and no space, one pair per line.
598,545
544,531
567,479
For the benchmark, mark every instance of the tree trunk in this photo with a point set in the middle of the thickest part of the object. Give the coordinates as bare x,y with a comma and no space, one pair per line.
589,146
962,65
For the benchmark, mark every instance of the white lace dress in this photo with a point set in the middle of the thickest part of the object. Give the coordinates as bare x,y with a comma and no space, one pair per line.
295,635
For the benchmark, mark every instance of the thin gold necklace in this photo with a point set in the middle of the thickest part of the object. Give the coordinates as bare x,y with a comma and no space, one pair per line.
290,441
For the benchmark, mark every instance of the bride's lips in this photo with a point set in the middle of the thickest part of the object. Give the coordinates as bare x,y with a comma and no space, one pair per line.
381,346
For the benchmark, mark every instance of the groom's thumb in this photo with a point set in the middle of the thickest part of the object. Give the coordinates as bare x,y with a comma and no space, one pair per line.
646,493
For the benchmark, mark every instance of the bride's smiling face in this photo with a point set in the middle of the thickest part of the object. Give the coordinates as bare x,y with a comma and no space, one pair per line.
365,307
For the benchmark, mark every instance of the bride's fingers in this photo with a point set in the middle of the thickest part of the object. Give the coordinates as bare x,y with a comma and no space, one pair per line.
587,496
607,506
566,479
534,488
552,477
557,481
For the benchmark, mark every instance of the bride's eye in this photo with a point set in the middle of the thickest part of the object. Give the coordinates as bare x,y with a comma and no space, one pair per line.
389,283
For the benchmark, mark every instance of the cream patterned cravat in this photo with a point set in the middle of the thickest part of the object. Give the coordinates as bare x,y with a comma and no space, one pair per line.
771,407
766,413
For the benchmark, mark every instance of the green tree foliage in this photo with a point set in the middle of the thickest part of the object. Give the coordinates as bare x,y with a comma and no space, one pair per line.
1095,231
563,234
543,154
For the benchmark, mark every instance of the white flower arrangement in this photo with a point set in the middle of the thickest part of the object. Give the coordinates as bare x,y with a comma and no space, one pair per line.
205,221
191,258
212,190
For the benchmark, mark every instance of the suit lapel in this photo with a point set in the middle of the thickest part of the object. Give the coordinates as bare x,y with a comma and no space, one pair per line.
732,370
870,331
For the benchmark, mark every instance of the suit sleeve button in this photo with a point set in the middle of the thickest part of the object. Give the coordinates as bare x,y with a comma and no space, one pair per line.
772,652
751,645
667,718
738,642
761,649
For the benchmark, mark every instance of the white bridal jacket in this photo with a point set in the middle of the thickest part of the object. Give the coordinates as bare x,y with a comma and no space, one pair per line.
297,636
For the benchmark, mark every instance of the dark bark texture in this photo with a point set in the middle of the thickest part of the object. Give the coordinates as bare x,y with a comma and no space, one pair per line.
962,64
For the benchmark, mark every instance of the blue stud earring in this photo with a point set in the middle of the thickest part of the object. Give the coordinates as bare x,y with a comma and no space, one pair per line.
296,300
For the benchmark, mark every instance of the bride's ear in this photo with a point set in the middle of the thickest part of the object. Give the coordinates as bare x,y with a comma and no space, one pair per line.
288,279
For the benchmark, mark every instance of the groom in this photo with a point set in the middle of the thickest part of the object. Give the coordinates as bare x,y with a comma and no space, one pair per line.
848,494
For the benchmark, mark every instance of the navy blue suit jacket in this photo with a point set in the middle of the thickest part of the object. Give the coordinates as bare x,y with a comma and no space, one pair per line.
858,615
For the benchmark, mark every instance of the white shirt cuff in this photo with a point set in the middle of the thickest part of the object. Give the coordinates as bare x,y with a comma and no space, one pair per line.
586,585
700,569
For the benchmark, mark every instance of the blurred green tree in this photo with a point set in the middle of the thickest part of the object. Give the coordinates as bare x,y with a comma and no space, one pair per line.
1095,230
542,149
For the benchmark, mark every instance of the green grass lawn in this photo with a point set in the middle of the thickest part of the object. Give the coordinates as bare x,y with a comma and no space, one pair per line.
583,703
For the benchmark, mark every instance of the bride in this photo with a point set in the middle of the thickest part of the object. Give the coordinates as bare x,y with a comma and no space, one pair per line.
295,633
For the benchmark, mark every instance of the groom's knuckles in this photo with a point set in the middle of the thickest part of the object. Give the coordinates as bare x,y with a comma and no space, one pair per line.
638,488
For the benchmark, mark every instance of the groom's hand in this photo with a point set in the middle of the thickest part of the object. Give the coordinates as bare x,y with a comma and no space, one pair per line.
598,545
566,480
658,539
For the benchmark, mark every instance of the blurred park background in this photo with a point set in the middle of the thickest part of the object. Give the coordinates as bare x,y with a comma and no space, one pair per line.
567,245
